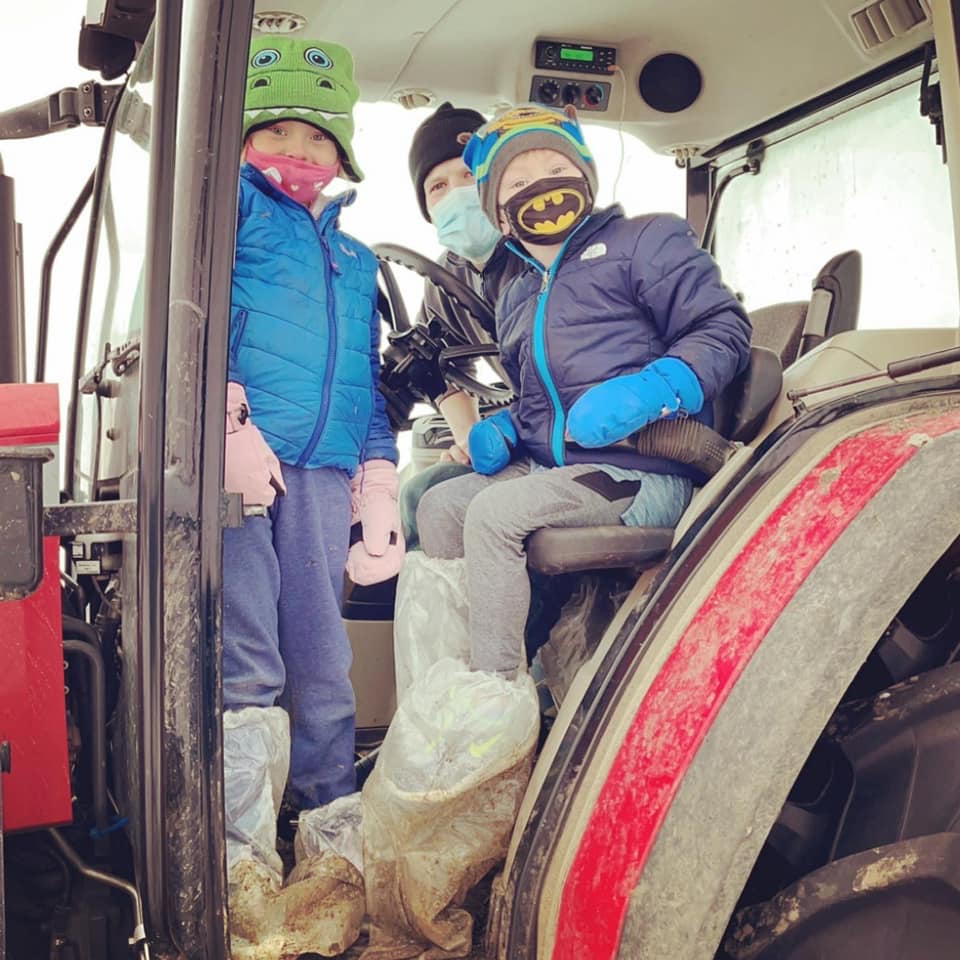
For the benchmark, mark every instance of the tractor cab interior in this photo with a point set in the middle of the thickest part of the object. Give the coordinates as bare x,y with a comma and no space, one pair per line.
663,99
806,145
776,217
808,246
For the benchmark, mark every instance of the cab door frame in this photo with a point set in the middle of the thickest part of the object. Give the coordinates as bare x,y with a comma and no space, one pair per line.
200,68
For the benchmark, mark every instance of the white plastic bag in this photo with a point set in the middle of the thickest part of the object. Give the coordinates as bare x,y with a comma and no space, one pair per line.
318,911
440,805
320,907
430,621
256,759
336,827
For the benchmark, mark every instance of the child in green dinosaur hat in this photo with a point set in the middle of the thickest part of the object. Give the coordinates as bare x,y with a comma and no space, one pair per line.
305,419
303,80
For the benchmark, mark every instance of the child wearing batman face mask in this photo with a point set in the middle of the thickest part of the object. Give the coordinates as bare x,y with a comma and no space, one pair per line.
476,253
613,323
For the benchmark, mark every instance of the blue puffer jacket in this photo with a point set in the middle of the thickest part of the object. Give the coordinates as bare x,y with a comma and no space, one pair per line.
622,293
305,331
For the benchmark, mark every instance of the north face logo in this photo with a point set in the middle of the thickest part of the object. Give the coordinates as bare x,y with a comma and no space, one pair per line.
593,251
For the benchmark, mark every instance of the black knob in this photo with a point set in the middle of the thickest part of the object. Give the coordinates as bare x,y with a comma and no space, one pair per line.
593,95
550,52
549,91
571,93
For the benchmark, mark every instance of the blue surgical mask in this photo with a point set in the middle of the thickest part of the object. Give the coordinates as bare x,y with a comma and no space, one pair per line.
462,226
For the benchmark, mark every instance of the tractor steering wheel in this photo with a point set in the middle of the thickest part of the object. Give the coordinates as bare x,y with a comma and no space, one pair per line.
443,340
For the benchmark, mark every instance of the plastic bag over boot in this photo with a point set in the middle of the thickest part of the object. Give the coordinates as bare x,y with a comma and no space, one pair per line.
440,805
320,907
430,622
256,759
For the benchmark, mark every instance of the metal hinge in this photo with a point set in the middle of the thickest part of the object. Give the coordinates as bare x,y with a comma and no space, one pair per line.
119,360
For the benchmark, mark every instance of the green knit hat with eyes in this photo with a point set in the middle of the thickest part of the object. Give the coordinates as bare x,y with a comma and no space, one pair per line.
308,80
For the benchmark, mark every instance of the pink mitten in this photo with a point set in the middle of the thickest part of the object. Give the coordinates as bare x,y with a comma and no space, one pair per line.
250,467
379,554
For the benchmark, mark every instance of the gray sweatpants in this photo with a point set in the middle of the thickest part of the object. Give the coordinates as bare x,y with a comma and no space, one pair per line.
488,519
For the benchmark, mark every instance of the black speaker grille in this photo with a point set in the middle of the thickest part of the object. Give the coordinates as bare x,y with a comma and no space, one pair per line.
670,82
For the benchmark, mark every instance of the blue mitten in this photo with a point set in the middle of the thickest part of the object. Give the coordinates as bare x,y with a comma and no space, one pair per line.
610,411
492,442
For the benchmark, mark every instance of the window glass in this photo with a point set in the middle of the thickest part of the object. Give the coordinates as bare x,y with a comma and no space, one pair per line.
107,423
871,180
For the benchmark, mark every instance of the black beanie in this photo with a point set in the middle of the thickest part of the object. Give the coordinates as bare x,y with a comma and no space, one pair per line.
439,139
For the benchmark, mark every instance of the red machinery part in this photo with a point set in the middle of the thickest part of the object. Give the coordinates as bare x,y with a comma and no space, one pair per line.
36,791
691,687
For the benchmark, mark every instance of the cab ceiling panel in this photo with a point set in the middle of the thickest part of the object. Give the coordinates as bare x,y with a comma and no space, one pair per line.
381,36
757,58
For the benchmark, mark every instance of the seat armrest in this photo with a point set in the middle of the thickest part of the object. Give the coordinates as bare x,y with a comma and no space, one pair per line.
569,549
754,394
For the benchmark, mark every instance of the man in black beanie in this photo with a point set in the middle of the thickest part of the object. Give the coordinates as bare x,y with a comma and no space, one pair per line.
475,253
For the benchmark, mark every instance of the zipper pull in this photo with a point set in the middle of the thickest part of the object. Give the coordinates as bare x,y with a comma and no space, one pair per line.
544,280
331,259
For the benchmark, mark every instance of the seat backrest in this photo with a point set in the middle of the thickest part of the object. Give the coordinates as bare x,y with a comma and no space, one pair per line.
779,328
742,407
793,328
835,301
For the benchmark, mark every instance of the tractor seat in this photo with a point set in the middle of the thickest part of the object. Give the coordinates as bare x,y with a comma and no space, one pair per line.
739,413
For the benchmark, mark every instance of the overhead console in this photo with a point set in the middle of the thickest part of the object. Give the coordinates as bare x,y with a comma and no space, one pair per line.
581,74
574,74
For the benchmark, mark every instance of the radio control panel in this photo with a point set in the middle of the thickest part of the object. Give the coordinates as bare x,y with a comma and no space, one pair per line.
574,57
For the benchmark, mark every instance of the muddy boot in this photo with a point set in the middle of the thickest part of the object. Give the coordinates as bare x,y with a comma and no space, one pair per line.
252,891
322,906
318,911
256,754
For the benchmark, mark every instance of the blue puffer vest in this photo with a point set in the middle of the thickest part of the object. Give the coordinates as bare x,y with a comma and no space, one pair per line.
305,331
622,293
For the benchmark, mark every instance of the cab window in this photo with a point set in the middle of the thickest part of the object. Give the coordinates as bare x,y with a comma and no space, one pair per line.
871,179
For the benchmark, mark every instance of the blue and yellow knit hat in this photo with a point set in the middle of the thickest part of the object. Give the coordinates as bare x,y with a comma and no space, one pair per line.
309,80
530,127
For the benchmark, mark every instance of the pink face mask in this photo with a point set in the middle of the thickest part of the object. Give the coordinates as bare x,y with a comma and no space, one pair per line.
298,179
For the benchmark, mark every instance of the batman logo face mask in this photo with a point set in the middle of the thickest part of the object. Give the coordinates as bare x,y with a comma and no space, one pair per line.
549,210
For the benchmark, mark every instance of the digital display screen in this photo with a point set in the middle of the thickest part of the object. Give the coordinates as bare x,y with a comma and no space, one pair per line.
567,53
